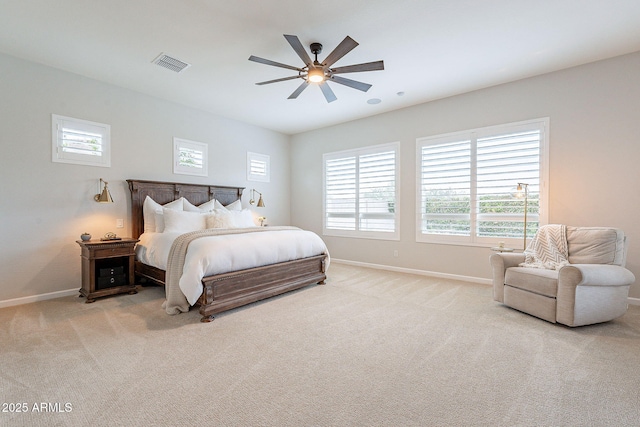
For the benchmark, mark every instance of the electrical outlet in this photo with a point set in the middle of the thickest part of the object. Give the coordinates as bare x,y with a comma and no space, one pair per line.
119,223
395,252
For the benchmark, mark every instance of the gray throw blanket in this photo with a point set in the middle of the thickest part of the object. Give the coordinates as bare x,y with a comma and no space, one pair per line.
548,249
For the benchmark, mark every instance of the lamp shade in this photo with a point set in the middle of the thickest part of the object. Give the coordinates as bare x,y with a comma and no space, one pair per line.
104,196
315,75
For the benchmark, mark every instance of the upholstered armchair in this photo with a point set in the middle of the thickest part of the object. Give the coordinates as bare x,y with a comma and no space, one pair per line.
592,287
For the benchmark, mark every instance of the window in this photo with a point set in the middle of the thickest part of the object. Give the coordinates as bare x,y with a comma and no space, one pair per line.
80,141
258,167
467,184
361,192
190,157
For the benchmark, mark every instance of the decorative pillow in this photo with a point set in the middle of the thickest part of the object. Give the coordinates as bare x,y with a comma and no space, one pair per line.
149,209
205,207
242,219
220,218
183,222
235,206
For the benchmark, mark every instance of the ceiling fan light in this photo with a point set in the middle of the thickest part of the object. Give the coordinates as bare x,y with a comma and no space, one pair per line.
315,75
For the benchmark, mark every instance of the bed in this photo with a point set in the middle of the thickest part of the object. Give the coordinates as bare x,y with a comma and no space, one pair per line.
223,291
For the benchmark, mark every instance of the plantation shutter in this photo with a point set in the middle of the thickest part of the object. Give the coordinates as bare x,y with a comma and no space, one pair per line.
258,167
503,160
340,193
361,192
80,141
377,186
467,184
190,157
446,188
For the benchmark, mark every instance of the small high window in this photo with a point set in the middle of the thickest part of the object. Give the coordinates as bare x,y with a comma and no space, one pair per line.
190,157
258,166
80,141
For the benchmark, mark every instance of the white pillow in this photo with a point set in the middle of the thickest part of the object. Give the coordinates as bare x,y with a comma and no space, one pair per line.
183,222
149,209
235,206
205,207
242,219
220,218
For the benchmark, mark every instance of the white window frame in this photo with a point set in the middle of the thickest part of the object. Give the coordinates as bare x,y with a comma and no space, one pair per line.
183,169
61,154
356,233
258,167
474,134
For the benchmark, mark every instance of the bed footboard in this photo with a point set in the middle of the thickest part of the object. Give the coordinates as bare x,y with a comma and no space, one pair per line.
230,290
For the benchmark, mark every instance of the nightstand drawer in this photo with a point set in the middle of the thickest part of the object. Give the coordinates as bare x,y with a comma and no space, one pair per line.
109,252
111,271
111,281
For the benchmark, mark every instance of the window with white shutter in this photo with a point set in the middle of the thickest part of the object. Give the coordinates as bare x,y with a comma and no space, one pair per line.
80,142
467,184
361,192
258,167
190,157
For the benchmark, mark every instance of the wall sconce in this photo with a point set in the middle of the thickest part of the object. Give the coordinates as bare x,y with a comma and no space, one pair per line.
253,196
524,187
104,196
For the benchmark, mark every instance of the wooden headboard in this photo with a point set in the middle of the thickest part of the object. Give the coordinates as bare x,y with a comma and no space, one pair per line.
165,192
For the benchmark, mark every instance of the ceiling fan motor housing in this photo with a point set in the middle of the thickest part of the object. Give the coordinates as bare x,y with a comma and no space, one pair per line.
316,48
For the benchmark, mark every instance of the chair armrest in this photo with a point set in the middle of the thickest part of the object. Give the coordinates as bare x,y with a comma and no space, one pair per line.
592,293
594,275
499,264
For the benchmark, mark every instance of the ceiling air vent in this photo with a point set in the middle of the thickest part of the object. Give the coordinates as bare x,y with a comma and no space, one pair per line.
170,63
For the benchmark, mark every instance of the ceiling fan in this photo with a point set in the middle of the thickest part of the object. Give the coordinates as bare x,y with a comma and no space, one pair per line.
315,72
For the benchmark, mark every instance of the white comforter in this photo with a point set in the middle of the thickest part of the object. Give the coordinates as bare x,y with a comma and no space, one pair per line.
211,255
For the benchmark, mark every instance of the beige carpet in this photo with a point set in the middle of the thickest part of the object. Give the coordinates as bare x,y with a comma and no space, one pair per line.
370,348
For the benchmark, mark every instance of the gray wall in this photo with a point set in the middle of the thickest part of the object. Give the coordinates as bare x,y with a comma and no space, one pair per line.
45,206
594,113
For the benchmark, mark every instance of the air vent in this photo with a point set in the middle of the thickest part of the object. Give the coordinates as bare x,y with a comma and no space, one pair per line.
170,63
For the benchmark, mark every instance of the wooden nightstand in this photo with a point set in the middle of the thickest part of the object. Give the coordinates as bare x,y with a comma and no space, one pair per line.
107,267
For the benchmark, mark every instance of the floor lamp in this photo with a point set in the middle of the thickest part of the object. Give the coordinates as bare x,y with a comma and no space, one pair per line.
522,186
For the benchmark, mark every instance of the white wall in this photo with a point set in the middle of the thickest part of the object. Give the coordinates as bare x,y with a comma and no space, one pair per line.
45,206
594,113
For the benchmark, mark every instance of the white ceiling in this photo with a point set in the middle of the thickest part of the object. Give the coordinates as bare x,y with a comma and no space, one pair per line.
431,48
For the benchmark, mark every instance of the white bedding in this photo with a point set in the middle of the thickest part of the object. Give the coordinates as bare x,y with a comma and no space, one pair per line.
211,255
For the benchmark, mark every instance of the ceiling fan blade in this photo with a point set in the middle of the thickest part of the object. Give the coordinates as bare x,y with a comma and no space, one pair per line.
279,80
368,66
294,41
327,92
345,46
299,90
351,83
275,64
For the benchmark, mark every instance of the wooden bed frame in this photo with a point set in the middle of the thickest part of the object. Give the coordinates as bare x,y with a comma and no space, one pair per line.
229,290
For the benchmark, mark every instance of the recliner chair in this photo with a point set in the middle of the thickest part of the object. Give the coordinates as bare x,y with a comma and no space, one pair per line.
593,288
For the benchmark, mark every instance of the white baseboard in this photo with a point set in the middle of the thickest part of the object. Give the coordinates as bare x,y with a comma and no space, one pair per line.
630,300
36,298
415,271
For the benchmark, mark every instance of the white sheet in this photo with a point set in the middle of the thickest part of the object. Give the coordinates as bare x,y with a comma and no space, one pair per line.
222,254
